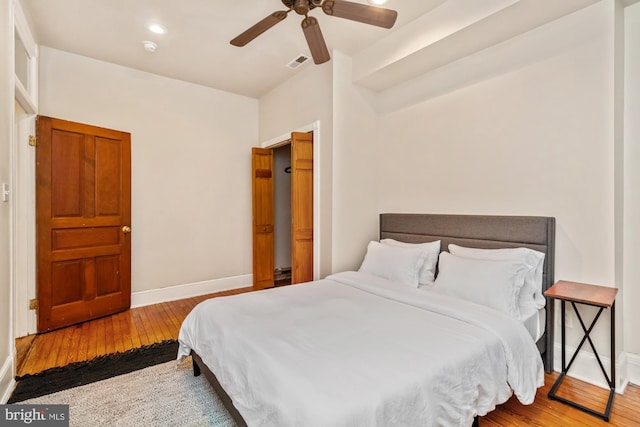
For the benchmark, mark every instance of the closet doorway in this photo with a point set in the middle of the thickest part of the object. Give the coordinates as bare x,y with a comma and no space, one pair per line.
282,188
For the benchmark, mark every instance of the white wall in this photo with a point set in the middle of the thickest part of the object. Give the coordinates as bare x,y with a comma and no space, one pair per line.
6,125
537,140
302,100
191,162
355,152
632,186
348,151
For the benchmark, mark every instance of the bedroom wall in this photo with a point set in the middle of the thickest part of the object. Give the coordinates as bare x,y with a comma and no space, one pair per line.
632,188
6,124
191,157
348,134
355,183
535,140
303,99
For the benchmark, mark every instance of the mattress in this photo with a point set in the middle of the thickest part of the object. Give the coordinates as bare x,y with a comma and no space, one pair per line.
358,350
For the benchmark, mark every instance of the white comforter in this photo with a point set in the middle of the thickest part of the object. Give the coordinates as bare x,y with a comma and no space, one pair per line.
357,350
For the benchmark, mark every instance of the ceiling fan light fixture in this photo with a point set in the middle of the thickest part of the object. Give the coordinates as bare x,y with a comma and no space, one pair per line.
376,2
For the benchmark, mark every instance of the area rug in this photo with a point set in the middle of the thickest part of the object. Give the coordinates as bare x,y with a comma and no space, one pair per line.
100,368
163,395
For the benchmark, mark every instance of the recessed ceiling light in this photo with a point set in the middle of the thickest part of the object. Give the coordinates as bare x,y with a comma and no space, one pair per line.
157,28
149,46
377,2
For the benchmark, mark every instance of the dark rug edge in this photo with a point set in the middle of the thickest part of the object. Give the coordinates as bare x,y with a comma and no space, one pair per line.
81,373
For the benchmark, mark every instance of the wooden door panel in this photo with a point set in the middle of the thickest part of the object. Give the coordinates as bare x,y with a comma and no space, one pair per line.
83,199
71,238
302,204
263,218
301,207
108,177
66,163
107,277
66,277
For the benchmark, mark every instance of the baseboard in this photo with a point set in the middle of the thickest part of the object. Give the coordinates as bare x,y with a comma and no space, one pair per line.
7,381
172,293
633,368
586,368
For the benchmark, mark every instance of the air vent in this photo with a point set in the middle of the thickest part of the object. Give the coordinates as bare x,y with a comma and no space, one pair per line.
298,61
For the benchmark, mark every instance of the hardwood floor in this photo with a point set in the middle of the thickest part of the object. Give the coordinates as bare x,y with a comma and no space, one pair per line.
546,413
156,323
112,334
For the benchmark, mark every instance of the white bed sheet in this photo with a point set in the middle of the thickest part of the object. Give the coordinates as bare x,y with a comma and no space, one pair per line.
534,319
358,350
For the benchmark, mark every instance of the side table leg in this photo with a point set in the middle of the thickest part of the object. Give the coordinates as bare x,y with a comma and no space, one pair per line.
563,332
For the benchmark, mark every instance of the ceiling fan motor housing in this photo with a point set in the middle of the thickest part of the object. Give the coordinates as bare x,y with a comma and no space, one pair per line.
302,7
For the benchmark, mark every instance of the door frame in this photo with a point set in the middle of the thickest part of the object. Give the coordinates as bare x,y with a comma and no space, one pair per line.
280,140
24,226
22,172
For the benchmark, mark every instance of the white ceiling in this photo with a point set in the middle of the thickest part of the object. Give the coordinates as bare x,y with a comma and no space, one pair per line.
196,48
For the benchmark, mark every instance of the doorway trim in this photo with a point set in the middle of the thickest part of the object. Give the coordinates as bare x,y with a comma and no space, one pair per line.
23,177
279,140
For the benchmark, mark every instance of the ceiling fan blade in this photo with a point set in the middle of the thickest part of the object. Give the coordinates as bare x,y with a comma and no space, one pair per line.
316,42
371,15
260,28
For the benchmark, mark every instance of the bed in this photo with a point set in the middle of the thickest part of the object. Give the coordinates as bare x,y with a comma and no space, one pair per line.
357,349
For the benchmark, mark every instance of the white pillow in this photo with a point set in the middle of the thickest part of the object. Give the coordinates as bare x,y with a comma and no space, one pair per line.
432,249
492,283
400,265
531,292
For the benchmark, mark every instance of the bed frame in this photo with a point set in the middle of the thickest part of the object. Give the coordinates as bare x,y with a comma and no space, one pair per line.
477,231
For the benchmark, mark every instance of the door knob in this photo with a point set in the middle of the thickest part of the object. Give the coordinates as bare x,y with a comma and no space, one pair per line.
126,229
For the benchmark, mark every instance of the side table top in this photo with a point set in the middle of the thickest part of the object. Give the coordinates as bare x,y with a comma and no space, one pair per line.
601,296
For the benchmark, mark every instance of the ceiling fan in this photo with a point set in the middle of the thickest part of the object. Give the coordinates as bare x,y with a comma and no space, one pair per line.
372,15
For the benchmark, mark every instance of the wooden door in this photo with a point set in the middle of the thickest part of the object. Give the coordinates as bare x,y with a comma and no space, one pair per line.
83,214
301,207
263,218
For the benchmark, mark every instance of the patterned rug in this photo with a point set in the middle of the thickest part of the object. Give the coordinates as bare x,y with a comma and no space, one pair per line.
103,367
162,395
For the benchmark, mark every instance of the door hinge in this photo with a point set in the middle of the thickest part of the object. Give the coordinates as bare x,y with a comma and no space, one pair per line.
33,140
33,304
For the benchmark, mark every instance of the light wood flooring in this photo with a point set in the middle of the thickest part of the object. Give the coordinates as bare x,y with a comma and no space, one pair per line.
156,323
112,334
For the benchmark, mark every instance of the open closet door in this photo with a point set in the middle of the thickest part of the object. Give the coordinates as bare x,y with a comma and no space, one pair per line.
263,218
301,207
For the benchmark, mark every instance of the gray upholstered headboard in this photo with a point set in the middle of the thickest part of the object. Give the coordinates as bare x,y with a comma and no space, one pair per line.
484,231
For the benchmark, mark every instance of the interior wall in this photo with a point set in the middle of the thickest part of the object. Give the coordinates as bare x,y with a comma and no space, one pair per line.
355,185
191,157
537,140
632,182
304,99
282,207
6,124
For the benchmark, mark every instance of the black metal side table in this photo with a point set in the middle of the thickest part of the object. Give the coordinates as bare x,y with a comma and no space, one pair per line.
596,296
